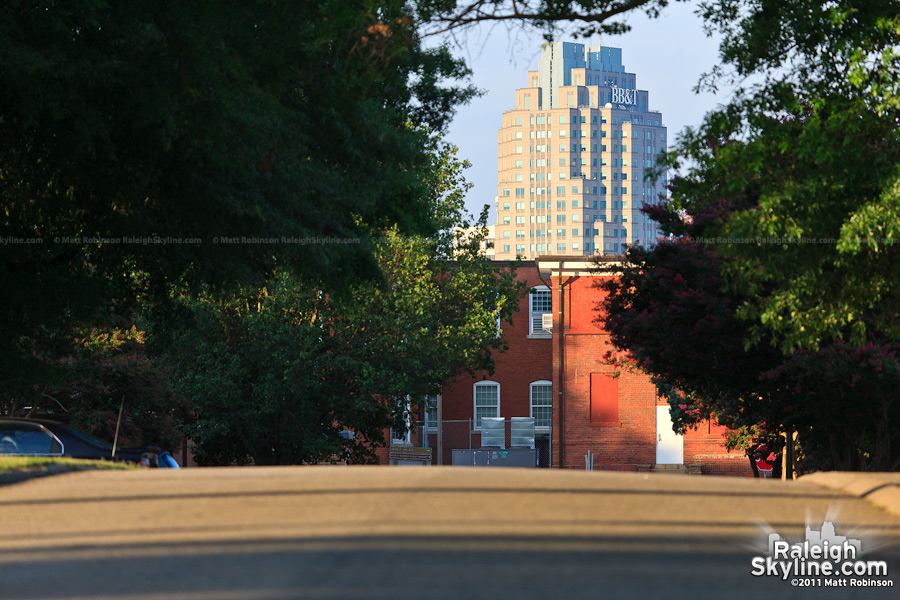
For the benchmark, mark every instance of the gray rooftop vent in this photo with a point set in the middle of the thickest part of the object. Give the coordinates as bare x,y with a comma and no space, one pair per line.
522,434
493,432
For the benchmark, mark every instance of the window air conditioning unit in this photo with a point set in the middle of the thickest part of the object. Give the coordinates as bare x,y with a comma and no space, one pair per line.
547,321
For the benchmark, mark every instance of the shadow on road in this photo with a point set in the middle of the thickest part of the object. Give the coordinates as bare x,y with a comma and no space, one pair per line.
407,567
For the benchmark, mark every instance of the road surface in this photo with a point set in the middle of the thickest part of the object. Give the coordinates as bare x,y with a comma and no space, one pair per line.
418,532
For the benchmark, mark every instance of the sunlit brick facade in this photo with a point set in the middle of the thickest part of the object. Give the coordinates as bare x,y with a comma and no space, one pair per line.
581,407
619,418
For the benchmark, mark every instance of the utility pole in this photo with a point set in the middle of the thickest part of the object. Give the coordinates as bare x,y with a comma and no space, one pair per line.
787,471
440,429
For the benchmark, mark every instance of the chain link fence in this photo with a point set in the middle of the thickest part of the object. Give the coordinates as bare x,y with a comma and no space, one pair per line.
461,434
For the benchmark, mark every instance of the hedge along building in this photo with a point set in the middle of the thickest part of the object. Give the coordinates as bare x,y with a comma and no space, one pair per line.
580,405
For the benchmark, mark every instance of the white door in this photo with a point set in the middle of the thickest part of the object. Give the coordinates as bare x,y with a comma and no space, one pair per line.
669,445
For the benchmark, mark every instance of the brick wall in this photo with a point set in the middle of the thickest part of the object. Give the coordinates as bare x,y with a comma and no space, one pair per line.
527,360
705,446
626,443
629,441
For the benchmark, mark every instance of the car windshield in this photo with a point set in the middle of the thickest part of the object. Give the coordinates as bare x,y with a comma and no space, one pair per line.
84,436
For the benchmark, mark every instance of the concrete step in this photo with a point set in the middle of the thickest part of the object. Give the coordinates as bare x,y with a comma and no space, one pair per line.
675,469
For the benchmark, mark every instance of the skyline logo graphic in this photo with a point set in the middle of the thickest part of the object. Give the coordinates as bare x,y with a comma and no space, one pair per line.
822,559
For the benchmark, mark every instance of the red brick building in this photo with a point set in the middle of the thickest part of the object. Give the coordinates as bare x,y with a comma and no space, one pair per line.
557,375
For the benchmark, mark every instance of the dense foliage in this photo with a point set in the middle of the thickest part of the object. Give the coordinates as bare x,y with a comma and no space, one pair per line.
274,374
780,286
669,316
149,144
802,168
260,180
105,381
180,161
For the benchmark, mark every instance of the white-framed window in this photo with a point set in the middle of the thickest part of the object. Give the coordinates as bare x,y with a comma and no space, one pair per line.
539,304
542,403
487,401
431,413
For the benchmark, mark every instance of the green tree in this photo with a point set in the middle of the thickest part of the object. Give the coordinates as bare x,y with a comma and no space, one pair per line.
154,146
802,171
669,316
146,144
105,381
590,16
274,374
783,265
802,167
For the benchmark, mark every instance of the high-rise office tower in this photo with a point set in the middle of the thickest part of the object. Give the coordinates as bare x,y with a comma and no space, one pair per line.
573,156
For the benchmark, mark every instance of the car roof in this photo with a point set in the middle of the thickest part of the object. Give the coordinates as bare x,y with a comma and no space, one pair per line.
60,428
17,421
30,420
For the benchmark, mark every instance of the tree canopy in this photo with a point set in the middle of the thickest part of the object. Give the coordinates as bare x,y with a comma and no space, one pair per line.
257,166
108,383
274,374
590,16
148,144
801,168
670,316
156,155
780,283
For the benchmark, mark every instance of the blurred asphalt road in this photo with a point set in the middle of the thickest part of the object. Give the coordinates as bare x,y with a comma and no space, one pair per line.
418,532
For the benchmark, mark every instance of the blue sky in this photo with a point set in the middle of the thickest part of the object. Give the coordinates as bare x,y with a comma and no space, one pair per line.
668,55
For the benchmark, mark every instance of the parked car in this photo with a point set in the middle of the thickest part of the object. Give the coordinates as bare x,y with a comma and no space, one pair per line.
76,443
24,438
